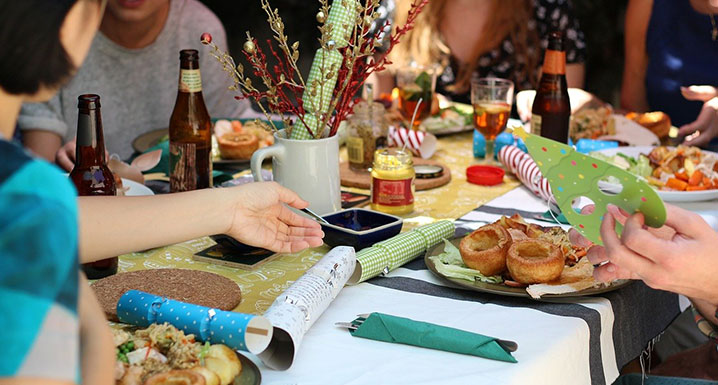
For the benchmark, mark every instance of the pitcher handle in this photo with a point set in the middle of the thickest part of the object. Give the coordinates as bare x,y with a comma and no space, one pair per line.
258,157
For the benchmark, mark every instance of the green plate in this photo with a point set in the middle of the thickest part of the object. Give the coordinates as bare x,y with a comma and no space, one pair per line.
501,289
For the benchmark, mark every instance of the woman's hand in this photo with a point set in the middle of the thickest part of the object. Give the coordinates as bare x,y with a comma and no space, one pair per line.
678,257
261,218
705,127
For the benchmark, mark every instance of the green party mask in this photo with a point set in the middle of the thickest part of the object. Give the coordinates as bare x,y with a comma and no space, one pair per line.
573,175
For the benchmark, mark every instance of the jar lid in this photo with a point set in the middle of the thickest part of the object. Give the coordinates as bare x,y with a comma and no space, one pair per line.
485,175
428,171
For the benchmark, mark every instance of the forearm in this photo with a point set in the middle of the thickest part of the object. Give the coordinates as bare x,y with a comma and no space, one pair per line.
575,75
43,143
111,226
98,353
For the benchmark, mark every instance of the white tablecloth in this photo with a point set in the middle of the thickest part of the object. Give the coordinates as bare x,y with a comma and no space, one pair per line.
568,341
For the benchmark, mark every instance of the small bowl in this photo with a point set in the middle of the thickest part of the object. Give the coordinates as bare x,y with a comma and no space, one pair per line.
359,228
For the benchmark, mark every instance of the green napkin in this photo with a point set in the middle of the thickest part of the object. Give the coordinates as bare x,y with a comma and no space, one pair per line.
389,328
387,255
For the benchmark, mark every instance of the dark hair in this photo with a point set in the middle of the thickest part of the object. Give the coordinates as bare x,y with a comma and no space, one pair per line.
31,54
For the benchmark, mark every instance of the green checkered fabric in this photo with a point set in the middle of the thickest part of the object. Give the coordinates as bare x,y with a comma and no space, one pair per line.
387,255
342,17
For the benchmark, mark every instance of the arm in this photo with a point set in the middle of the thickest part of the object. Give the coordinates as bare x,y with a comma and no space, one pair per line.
43,143
633,87
97,346
254,214
575,75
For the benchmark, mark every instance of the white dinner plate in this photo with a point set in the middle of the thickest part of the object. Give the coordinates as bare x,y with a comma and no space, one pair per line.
668,196
136,189
631,133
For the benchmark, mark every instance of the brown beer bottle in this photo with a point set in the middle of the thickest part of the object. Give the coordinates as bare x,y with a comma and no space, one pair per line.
190,130
551,110
91,175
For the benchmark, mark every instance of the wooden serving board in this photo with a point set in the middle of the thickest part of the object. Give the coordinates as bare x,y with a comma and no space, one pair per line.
358,179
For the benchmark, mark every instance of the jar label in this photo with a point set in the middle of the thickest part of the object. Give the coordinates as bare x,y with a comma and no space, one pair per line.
355,149
190,81
183,166
536,124
392,192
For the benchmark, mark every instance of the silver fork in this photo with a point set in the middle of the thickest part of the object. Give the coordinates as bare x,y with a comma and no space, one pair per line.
509,346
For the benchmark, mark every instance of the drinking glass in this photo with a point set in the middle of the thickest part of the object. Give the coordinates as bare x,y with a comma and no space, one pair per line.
416,88
492,99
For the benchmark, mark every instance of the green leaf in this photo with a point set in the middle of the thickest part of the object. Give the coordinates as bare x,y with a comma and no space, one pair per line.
423,81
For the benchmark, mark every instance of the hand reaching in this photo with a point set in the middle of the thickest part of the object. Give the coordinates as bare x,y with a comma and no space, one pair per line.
65,156
261,219
678,257
705,127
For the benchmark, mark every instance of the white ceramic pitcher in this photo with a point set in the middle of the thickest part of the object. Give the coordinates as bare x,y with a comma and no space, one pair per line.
308,167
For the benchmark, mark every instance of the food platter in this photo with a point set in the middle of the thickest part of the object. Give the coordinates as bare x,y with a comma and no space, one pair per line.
668,196
502,289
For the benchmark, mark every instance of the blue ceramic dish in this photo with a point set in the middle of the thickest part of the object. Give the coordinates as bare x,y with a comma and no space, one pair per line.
359,228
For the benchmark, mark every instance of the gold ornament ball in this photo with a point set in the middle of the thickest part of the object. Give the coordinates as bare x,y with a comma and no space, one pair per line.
249,47
321,17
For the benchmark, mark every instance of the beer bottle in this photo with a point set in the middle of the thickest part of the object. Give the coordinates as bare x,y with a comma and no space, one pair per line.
190,130
91,175
551,110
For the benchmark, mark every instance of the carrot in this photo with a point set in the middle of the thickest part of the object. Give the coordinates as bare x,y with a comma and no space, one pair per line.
707,181
681,175
237,126
696,188
696,178
676,184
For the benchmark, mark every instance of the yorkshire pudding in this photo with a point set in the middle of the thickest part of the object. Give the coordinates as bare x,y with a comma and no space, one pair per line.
485,249
532,261
176,377
234,145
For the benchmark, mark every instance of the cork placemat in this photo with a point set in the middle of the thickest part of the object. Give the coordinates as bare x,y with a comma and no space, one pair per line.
191,286
359,179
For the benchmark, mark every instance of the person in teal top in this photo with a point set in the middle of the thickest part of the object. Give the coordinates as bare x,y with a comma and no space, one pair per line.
52,328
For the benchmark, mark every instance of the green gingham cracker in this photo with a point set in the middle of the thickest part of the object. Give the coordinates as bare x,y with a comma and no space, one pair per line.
387,255
342,17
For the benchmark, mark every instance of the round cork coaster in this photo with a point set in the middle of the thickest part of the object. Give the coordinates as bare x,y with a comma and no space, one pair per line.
191,286
359,179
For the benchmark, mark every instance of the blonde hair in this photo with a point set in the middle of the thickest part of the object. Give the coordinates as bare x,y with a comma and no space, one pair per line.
509,18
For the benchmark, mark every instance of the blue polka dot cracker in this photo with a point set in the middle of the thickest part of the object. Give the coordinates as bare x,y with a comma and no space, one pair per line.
239,331
573,175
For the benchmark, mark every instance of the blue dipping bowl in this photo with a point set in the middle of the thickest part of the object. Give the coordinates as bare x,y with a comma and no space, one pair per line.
359,228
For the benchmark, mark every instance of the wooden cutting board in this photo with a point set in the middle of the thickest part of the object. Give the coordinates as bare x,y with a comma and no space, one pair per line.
358,179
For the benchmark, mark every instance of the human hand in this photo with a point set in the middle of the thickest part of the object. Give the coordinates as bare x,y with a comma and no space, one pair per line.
704,128
701,93
65,156
261,219
524,103
677,257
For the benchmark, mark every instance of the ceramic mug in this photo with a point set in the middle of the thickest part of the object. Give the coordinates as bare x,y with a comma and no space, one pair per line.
308,167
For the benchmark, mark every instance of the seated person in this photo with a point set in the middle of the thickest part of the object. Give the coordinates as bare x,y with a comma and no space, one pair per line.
480,38
52,327
133,65
670,46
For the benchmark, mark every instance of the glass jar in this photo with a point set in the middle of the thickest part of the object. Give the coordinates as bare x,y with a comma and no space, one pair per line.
368,129
392,181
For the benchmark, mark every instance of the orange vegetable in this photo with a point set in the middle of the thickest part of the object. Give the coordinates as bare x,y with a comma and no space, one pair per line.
237,126
696,178
707,181
682,176
696,188
676,184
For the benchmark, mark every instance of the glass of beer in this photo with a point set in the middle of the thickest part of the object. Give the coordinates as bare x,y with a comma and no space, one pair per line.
416,89
492,99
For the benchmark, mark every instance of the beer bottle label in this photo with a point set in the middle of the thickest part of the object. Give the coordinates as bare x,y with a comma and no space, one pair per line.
190,81
554,62
536,124
355,149
183,166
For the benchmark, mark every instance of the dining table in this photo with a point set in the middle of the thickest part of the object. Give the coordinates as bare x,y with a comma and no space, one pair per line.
561,340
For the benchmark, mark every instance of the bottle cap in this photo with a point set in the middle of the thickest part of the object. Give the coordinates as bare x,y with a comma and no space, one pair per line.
485,175
427,171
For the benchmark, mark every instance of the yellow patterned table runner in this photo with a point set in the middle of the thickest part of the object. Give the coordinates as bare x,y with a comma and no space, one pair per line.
261,286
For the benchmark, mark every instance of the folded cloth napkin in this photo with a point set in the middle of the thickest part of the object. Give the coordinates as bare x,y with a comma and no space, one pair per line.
239,331
387,255
389,328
